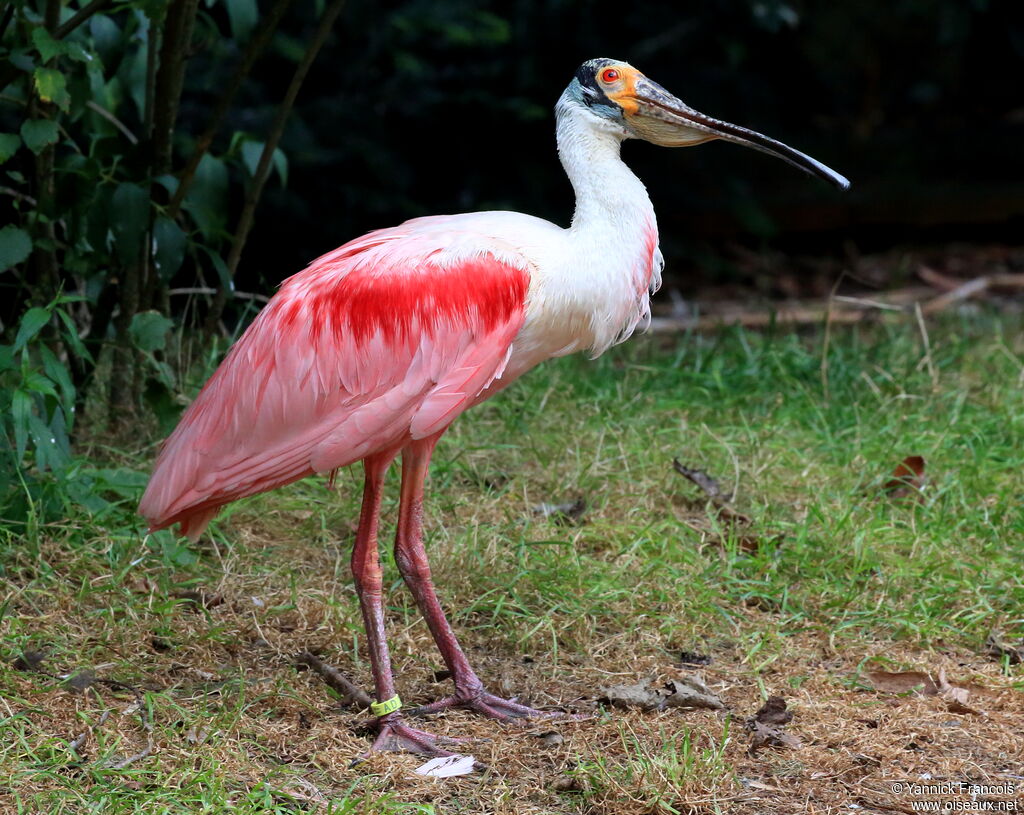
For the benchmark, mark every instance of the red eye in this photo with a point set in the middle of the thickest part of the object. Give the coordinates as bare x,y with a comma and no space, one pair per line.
609,75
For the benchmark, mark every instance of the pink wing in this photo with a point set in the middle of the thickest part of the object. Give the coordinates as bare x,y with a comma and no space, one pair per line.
388,338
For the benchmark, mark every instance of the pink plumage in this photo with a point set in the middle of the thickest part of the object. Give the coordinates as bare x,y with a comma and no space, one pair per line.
384,340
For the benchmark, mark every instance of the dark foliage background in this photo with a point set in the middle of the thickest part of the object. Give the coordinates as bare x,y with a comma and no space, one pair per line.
439,107
157,156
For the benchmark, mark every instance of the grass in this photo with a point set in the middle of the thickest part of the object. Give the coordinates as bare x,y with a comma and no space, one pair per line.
842,578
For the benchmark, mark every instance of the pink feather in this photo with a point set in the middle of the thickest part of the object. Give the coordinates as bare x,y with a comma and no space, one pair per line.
386,339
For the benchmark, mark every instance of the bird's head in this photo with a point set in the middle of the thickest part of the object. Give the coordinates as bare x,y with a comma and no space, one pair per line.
620,97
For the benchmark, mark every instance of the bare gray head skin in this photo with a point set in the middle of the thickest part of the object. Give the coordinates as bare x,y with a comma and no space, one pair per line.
616,93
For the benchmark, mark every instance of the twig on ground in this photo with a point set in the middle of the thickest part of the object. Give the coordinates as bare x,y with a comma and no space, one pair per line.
754,319
124,762
937,279
866,303
336,680
83,737
713,491
972,288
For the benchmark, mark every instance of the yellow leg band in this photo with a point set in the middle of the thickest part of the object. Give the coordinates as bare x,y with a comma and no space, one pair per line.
386,707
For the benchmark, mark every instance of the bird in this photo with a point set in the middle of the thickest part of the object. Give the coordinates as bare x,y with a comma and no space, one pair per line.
374,349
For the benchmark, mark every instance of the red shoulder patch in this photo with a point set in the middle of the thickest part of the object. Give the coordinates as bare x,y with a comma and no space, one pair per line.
481,293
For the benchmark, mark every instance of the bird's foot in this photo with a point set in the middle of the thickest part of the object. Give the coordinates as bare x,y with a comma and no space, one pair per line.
395,736
484,703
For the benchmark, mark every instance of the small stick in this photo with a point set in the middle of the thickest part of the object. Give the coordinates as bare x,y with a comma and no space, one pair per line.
124,762
110,117
336,680
713,492
84,735
936,279
756,319
238,295
961,292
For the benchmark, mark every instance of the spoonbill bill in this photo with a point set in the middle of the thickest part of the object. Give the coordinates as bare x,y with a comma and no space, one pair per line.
377,347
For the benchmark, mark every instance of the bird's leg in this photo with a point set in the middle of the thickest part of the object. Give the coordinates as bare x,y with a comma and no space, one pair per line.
412,563
393,733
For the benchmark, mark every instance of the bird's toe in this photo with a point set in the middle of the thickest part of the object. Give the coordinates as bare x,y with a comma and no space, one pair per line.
486,704
395,736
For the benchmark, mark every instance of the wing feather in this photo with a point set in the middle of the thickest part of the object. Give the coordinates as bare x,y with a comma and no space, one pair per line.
388,338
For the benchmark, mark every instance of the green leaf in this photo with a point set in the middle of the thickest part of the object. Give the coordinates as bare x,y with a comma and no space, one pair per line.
106,36
170,243
82,491
126,483
31,324
168,182
59,373
77,53
37,383
21,410
243,15
50,442
9,144
220,267
7,358
15,246
38,133
176,554
281,165
149,330
207,198
52,87
71,335
46,45
129,217
251,152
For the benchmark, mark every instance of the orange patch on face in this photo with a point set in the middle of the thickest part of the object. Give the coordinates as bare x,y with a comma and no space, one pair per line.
622,92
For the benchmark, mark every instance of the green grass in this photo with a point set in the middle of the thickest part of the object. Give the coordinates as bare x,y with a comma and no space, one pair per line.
807,447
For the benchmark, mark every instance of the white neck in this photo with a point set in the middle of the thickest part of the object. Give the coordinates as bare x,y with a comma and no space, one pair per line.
609,198
612,260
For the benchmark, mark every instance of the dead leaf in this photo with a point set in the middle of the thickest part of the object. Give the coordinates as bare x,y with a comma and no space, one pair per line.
766,726
908,478
638,695
956,697
570,514
709,485
752,543
758,785
903,682
690,691
997,647
774,711
712,489
567,783
550,738
197,735
955,694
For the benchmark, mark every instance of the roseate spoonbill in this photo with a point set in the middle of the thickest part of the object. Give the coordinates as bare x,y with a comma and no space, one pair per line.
376,348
